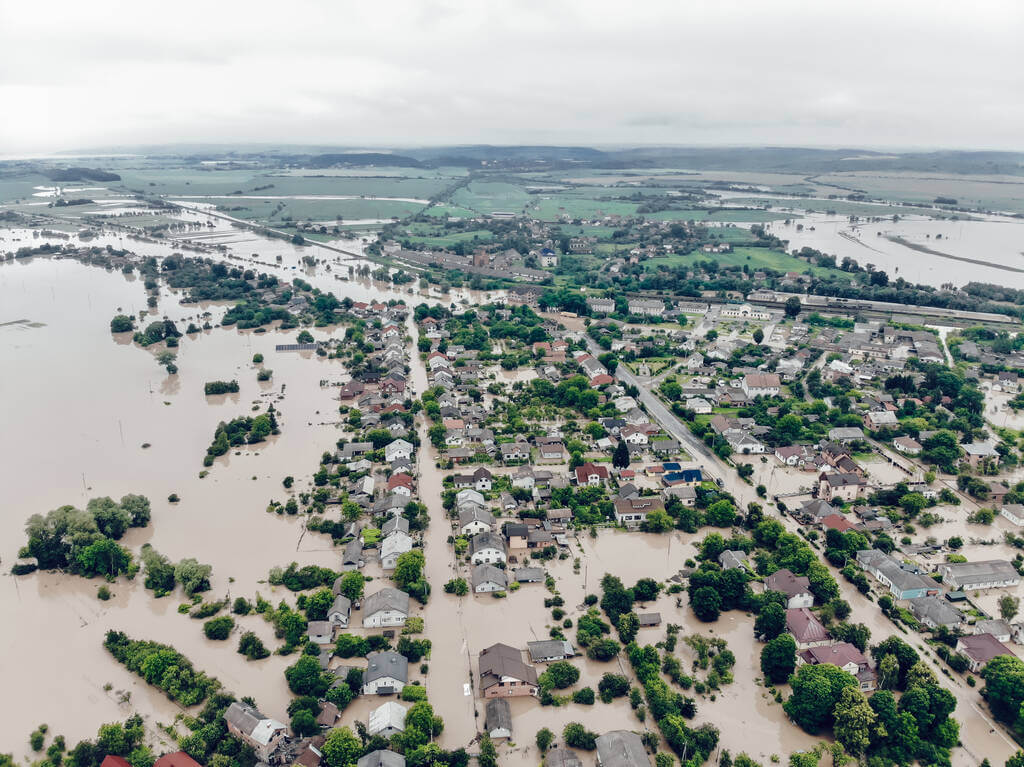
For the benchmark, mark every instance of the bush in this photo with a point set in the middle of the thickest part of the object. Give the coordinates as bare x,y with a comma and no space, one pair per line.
103,593
219,628
152,661
457,586
221,387
584,695
414,693
578,736
251,646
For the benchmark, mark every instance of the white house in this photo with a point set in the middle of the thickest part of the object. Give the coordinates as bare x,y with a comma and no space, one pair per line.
487,549
469,495
474,520
340,611
1013,512
387,607
761,385
392,547
386,720
386,673
699,405
488,578
399,448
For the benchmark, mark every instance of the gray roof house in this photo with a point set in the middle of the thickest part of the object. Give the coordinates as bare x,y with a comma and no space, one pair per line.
621,748
396,524
340,610
498,718
387,607
548,650
990,574
730,560
934,612
488,578
386,673
559,757
382,758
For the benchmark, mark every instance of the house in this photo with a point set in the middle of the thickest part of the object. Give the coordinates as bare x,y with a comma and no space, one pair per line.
979,451
392,547
474,520
621,748
387,607
1013,512
386,720
744,443
934,612
791,455
551,450
514,451
340,611
815,510
176,759
399,448
352,558
730,560
903,581
980,649
665,447
254,729
997,627
973,576
675,476
761,385
907,445
632,512
845,434
395,525
795,587
591,475
840,485
478,480
806,629
845,656
877,419
488,578
381,758
601,305
487,548
646,307
114,761
498,718
647,620
386,673
400,484
469,495
698,405
529,575
561,757
320,632
503,673
328,713
550,650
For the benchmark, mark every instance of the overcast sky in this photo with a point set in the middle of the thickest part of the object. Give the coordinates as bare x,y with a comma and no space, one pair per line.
416,72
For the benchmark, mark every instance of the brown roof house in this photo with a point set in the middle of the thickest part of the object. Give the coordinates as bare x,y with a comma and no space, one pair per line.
845,656
261,732
806,629
980,649
504,674
795,587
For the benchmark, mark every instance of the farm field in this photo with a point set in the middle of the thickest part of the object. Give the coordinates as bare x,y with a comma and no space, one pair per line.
755,258
491,196
313,210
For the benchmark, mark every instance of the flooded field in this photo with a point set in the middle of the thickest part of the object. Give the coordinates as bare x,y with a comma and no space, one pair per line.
86,401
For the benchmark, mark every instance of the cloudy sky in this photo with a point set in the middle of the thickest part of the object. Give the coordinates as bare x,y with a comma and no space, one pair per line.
415,72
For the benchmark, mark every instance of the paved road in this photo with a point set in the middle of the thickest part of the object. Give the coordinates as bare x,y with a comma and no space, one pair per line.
665,417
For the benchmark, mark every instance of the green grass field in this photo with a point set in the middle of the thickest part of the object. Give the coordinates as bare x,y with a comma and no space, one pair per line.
755,258
491,196
442,210
276,211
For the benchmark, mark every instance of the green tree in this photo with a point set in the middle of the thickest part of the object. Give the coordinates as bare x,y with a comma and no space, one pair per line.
855,721
628,626
305,677
342,748
305,337
544,738
318,603
778,658
352,584
193,576
620,458
561,674
721,513
252,647
771,621
1008,607
758,335
138,508
219,628
122,323
1004,689
408,568
706,603
304,724
578,736
793,306
816,690
488,755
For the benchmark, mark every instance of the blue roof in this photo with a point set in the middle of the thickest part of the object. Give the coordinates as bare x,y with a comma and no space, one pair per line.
672,466
685,475
673,476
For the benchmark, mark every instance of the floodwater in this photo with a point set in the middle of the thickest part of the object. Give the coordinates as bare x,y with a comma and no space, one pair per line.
994,244
79,405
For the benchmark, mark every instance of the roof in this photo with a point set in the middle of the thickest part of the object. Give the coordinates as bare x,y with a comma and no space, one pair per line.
529,574
938,611
838,654
381,665
730,559
559,757
804,627
250,721
386,599
498,715
488,574
968,572
761,380
499,661
550,648
817,508
649,619
388,715
114,761
381,758
177,759
485,540
982,647
901,579
789,584
621,748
